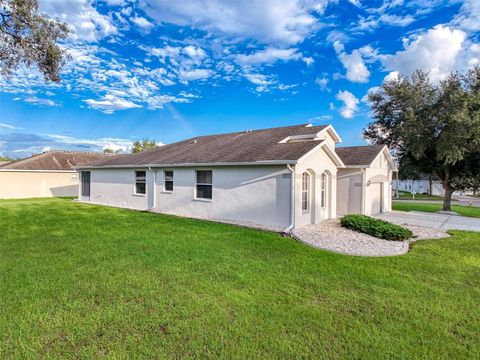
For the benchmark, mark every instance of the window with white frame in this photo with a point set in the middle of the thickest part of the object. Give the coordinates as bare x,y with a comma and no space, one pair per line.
305,191
168,185
204,184
140,182
323,190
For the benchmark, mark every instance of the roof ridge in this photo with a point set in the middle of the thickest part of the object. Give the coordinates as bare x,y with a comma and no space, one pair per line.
252,130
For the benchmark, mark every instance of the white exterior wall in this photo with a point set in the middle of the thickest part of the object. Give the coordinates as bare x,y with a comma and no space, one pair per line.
349,191
356,194
316,164
259,195
20,184
115,187
246,194
379,167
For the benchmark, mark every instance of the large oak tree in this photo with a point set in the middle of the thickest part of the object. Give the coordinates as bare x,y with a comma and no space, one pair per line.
28,38
434,128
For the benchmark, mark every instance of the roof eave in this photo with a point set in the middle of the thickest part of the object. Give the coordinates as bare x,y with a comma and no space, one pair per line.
244,163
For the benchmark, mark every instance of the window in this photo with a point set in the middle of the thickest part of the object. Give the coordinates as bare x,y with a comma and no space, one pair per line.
305,191
168,186
204,184
85,183
323,190
140,182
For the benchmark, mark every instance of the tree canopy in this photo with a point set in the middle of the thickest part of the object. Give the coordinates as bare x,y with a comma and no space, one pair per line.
143,145
30,38
433,128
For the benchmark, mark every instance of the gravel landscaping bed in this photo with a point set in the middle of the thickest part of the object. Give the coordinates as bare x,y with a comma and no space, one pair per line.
330,235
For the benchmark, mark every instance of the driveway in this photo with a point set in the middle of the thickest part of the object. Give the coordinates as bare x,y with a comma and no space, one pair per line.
432,220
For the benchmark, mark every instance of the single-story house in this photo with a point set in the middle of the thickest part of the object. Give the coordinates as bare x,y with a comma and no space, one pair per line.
277,178
48,174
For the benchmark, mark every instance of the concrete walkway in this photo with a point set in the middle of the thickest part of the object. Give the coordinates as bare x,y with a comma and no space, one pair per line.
432,220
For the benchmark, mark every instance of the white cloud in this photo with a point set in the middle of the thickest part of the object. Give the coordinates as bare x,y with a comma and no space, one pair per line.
157,102
350,104
111,103
7,126
87,23
196,74
143,23
40,101
308,60
468,18
268,56
268,21
353,63
115,2
435,51
194,52
258,79
392,75
322,83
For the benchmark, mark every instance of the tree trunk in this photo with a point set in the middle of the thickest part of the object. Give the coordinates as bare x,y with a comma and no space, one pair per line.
447,200
430,185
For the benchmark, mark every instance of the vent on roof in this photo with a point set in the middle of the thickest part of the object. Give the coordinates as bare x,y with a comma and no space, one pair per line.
300,138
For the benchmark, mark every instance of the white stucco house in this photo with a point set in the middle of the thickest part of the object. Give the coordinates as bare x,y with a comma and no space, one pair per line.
278,178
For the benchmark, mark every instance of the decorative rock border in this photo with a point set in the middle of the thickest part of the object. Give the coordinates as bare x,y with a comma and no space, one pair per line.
330,235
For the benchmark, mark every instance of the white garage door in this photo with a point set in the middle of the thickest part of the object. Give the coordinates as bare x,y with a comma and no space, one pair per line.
375,198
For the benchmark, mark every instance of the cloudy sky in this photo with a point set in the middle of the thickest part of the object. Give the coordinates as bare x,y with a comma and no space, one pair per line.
174,69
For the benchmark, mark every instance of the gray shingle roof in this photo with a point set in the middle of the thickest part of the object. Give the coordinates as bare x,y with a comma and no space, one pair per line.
54,160
238,147
358,155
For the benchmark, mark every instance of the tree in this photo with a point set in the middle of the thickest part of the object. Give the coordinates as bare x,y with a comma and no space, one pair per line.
6,158
27,37
434,129
111,151
143,145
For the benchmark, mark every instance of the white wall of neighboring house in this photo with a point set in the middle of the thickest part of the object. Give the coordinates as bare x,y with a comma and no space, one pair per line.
423,186
18,184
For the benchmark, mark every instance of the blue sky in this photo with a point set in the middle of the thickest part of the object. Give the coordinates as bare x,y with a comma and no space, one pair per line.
175,69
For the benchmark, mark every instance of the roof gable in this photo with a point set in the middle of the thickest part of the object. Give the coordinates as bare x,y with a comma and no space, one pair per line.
359,155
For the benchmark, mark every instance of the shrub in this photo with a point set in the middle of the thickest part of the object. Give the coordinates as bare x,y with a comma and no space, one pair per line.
376,227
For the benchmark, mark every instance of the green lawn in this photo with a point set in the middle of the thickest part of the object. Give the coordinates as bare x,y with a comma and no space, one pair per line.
80,281
462,210
404,195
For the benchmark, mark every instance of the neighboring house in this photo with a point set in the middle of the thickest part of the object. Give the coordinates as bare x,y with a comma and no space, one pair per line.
364,184
44,175
276,178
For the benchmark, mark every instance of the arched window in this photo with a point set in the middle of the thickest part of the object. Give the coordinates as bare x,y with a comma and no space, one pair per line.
305,191
323,190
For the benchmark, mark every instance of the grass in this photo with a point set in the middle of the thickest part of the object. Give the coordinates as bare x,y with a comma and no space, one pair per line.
404,195
470,211
81,281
